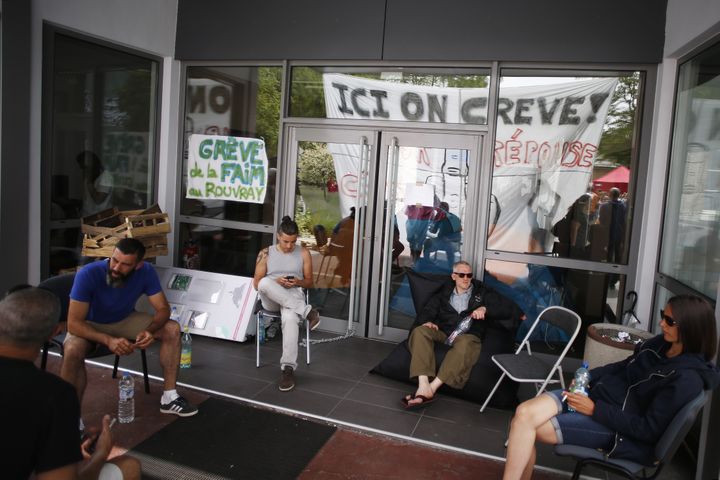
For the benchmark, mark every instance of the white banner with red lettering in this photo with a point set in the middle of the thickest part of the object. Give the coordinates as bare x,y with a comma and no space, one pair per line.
546,143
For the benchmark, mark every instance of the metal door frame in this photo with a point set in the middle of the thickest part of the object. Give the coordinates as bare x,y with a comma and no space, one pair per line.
379,142
390,142
367,140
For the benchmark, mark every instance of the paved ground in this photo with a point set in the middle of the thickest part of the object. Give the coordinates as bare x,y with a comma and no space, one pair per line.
347,455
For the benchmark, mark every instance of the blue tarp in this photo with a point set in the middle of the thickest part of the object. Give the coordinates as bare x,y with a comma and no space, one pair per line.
533,294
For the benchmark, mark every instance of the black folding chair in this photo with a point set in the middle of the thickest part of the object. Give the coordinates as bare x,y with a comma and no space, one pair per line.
666,447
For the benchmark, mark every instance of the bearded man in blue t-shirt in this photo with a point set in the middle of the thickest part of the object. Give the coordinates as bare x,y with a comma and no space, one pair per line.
102,311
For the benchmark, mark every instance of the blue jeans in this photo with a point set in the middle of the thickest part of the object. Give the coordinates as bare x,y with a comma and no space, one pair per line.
575,428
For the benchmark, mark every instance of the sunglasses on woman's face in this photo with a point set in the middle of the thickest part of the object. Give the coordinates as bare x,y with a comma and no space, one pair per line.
463,275
668,319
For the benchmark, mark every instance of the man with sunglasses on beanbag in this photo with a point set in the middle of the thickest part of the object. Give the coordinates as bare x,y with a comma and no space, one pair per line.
460,298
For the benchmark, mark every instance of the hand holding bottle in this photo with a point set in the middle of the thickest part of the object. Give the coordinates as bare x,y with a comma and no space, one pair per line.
579,387
479,313
461,328
577,402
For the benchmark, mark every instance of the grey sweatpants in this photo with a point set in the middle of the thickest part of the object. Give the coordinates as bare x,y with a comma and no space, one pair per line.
290,302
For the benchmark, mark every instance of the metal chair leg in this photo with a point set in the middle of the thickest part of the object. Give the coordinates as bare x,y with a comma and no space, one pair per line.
143,356
115,368
257,340
577,470
307,342
487,400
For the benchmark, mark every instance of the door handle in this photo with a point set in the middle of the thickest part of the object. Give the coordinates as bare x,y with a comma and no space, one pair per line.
389,226
361,202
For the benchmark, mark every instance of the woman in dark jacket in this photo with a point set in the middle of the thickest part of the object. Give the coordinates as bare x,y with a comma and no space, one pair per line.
631,402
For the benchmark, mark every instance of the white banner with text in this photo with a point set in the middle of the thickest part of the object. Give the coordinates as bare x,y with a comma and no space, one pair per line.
227,168
546,142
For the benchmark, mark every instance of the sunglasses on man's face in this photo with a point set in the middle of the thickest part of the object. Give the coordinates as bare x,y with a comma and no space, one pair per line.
668,319
463,275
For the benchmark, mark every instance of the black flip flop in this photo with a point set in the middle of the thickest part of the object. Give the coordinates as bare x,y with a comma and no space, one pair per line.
414,406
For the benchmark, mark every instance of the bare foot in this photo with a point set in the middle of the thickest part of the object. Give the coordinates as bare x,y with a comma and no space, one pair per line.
417,398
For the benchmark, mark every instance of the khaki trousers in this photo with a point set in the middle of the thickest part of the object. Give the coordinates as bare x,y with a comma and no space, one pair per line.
129,327
457,364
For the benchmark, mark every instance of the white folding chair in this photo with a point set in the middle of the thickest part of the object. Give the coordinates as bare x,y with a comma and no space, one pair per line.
261,314
524,367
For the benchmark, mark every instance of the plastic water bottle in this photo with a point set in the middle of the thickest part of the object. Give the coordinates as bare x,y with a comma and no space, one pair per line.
186,349
126,400
261,330
581,384
462,327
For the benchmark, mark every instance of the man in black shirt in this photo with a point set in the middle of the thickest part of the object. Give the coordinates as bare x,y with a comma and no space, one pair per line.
39,411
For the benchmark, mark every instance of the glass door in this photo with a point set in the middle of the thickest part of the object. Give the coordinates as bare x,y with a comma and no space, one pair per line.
423,197
371,206
328,176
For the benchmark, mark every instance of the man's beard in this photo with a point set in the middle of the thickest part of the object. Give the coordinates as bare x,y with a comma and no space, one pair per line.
117,282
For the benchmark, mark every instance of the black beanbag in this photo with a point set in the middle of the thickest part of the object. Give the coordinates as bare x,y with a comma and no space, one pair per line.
484,374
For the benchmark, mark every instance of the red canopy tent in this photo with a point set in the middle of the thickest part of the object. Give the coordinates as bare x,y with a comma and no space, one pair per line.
618,177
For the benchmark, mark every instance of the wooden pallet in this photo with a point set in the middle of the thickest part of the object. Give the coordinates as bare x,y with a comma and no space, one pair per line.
104,229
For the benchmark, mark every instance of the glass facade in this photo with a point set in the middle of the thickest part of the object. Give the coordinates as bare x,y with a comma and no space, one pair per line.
238,102
563,163
535,287
662,295
431,95
220,250
242,102
428,235
690,251
325,227
101,140
562,185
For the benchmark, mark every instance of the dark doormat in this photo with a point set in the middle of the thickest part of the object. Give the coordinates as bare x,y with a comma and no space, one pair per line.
230,440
